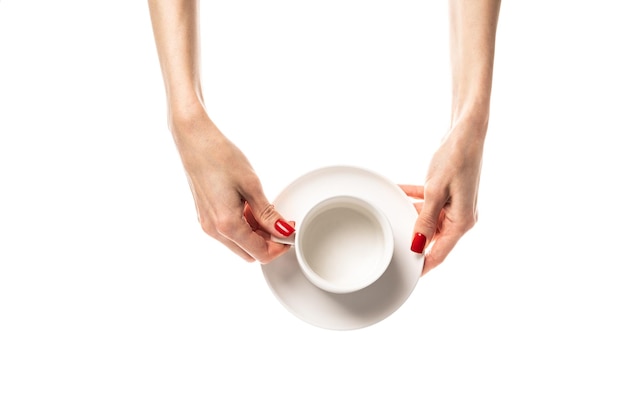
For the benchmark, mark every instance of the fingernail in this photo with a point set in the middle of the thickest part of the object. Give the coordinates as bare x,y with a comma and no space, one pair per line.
284,228
418,244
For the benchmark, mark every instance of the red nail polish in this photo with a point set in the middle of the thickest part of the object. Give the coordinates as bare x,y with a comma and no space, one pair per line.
284,228
418,244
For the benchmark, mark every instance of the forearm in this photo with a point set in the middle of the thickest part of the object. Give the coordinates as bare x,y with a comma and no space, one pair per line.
473,26
175,28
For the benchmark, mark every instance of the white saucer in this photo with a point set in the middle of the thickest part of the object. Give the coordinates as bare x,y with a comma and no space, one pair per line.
364,307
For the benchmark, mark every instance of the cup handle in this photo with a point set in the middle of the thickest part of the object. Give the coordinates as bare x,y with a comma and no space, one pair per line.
290,240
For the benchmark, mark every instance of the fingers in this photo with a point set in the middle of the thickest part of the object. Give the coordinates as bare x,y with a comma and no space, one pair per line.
232,223
426,226
249,242
428,219
441,242
438,229
266,216
414,191
235,248
454,222
260,220
432,230
439,250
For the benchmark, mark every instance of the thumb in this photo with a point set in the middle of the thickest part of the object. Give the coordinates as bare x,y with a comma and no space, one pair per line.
269,219
426,224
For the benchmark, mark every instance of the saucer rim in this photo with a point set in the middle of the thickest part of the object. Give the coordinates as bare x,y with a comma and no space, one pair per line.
416,260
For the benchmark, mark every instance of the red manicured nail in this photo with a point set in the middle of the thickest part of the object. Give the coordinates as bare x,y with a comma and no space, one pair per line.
418,244
284,228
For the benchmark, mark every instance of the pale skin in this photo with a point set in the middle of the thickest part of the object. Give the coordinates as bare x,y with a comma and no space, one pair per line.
229,198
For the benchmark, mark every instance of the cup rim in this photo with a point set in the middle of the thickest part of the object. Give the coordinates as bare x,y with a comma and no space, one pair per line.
388,249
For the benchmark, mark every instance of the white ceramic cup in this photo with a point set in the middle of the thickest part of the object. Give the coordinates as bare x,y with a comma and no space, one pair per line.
343,244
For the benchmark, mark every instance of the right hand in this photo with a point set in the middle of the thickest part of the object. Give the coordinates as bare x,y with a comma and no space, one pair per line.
230,202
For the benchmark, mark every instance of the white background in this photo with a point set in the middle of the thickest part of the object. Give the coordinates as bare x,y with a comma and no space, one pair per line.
113,303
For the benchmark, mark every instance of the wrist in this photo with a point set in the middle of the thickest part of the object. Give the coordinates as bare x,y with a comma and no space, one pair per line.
187,118
471,97
473,117
183,111
469,128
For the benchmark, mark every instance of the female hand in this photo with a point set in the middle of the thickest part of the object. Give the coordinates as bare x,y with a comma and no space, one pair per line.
230,202
447,200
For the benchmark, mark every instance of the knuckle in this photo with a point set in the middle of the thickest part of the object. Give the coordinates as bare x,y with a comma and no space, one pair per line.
249,259
468,222
207,226
429,221
435,259
435,191
225,227
253,183
268,213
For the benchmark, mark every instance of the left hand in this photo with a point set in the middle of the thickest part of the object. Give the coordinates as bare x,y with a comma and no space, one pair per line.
447,201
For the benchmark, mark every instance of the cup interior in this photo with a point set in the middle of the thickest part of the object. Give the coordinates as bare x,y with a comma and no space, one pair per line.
344,244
